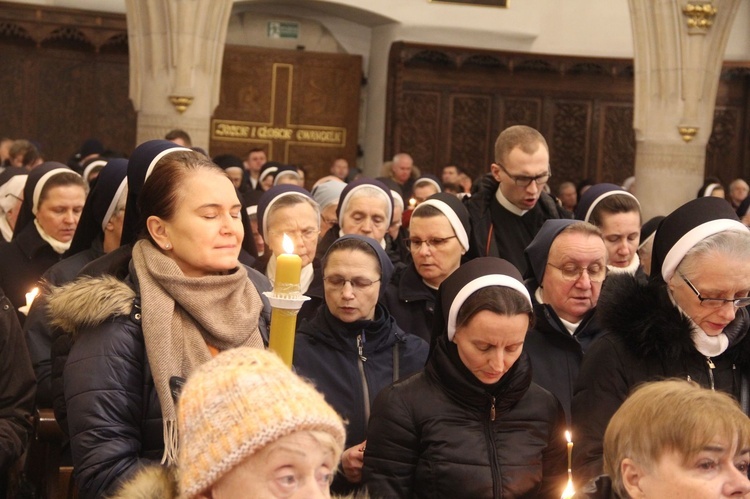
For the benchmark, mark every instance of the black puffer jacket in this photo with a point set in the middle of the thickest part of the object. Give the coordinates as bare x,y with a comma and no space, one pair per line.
411,302
437,434
645,338
114,414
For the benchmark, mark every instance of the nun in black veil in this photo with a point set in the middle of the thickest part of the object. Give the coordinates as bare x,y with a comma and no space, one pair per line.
472,424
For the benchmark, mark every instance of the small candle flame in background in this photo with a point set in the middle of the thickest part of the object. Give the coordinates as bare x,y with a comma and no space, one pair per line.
412,202
569,491
30,296
287,244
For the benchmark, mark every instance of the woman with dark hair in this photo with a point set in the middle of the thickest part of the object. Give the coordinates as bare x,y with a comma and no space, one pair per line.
353,348
290,210
473,424
53,199
439,233
688,321
617,213
185,299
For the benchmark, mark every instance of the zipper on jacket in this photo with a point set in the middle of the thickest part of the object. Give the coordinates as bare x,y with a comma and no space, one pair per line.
497,489
365,389
711,367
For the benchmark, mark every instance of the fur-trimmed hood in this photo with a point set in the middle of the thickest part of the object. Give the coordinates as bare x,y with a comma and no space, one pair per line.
651,326
89,301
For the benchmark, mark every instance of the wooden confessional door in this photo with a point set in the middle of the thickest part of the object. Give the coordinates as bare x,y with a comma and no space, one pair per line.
301,107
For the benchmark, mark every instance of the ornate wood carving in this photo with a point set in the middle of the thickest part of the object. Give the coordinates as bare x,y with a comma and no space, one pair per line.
65,78
583,106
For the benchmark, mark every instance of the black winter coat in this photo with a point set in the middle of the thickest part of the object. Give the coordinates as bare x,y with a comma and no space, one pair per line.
114,414
482,242
645,338
555,354
438,434
351,363
22,263
411,302
17,387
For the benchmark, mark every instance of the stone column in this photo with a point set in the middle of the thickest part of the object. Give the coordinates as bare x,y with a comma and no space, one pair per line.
176,53
679,50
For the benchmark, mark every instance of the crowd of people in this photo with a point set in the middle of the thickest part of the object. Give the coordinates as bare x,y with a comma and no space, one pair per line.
456,338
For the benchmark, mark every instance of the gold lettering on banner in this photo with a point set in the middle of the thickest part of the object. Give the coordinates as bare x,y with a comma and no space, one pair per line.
281,133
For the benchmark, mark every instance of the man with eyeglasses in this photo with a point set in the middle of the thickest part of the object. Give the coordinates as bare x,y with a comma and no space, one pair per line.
568,261
510,207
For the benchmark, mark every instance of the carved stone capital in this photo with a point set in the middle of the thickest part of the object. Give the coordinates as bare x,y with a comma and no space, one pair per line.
687,132
180,103
699,15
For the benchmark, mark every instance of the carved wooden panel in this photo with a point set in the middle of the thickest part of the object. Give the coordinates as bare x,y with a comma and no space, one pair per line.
302,107
418,129
583,106
469,132
568,138
64,79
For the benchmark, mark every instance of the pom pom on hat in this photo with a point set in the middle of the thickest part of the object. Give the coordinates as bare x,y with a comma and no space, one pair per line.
236,404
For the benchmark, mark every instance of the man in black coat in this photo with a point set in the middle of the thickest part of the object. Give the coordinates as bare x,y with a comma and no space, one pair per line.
510,207
568,260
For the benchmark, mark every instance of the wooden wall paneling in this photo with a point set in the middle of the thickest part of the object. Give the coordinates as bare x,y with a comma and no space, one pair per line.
724,146
302,107
616,143
568,134
418,126
468,133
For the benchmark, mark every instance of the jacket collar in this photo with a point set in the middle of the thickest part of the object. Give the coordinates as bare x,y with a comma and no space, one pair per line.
412,288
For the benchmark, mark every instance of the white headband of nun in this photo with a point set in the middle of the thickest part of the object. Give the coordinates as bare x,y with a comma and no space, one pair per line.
156,159
113,203
604,196
40,185
91,166
679,249
479,283
446,210
429,181
384,195
709,190
264,222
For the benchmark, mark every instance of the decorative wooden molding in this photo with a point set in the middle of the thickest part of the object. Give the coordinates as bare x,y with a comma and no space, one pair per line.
44,25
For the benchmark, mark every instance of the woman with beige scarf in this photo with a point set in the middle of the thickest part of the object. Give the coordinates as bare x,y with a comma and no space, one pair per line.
186,299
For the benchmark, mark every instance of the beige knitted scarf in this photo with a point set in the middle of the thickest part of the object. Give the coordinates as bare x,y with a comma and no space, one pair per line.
181,315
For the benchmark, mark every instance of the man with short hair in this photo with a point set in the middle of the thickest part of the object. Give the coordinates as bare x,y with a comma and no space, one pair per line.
179,137
340,168
401,173
510,206
450,174
256,158
568,261
568,196
738,191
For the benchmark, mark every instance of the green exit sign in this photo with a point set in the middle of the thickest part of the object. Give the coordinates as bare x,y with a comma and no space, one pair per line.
282,29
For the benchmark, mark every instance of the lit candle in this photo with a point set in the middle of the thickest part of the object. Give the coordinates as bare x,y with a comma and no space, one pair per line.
412,203
29,300
288,270
285,286
569,491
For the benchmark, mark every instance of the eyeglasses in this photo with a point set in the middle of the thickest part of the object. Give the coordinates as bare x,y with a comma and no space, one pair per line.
338,282
716,302
305,234
434,242
14,196
596,273
523,181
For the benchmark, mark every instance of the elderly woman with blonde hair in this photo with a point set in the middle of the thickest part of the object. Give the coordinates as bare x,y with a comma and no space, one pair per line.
675,439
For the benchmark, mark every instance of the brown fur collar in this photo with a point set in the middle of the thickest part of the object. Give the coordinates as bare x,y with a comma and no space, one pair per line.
88,301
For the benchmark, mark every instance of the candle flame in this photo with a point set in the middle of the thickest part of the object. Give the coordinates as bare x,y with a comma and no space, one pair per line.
567,436
569,491
31,295
287,244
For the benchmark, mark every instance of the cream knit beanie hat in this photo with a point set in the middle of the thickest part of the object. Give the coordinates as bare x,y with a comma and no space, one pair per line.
236,404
